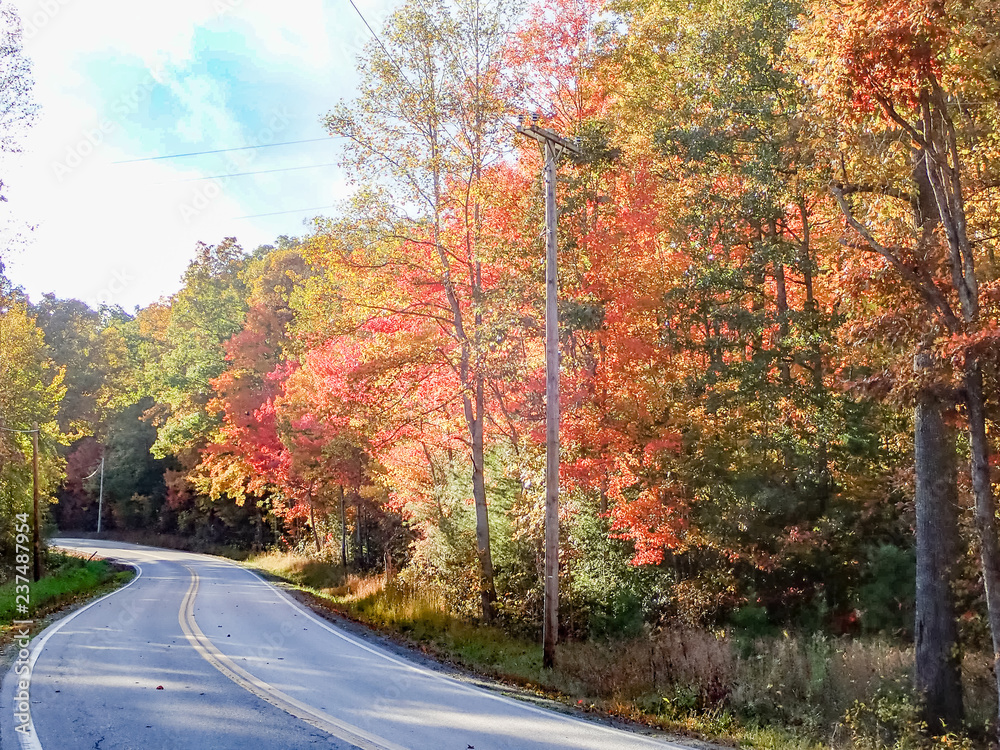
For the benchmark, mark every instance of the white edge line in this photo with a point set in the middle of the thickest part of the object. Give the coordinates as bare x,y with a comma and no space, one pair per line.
589,724
29,740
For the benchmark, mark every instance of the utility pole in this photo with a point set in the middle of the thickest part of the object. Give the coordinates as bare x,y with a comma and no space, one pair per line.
100,494
36,536
553,146
100,498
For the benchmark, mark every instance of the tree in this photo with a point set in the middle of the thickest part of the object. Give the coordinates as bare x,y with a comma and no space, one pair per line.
205,313
427,123
30,391
91,351
911,81
17,110
744,316
247,458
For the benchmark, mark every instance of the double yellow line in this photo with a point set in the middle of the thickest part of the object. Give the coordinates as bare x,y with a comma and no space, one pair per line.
313,716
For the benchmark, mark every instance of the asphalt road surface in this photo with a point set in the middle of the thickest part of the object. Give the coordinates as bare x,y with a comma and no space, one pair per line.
199,653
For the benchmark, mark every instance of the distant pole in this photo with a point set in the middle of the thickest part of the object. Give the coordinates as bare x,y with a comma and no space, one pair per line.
100,498
36,537
553,145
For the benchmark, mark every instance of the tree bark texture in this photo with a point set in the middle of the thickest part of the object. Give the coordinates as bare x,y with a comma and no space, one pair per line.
986,508
937,673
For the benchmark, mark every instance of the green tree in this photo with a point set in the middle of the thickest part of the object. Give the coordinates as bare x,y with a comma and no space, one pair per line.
30,391
89,348
203,315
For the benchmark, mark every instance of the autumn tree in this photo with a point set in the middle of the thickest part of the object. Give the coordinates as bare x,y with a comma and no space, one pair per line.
912,83
426,125
744,309
92,352
247,460
30,391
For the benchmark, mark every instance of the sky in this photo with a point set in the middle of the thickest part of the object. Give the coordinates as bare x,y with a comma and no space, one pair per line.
121,81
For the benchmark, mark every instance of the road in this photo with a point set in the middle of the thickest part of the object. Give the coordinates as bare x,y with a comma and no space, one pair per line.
197,652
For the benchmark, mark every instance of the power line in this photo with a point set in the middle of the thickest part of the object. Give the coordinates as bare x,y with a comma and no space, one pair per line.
276,213
376,37
242,174
8,429
392,60
223,150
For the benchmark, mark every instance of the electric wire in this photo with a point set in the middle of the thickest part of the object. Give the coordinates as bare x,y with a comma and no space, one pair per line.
277,213
377,39
223,150
242,174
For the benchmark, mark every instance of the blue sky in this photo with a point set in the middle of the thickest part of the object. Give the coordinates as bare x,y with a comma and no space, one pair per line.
120,81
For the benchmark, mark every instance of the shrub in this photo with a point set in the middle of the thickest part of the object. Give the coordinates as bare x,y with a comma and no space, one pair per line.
888,590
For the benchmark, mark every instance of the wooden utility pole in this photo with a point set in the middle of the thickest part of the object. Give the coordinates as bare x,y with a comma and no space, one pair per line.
553,145
100,498
36,535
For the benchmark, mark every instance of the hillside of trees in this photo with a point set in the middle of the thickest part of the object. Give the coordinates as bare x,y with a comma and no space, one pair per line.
779,322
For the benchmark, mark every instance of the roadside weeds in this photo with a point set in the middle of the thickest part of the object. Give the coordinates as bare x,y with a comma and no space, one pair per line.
436,658
783,691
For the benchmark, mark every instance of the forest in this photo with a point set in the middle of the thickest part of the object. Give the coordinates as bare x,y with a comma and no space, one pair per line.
779,326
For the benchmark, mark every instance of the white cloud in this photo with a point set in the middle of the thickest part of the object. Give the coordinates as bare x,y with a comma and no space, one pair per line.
115,240
123,233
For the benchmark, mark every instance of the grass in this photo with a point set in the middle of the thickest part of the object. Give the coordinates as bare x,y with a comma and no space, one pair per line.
67,579
788,692
310,574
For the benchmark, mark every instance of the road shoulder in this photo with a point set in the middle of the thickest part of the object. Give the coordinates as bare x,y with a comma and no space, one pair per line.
401,646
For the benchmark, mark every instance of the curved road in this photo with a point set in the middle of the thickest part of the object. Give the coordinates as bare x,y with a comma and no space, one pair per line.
197,652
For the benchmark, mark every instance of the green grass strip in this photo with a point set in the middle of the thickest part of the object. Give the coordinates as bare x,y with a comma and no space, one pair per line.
66,579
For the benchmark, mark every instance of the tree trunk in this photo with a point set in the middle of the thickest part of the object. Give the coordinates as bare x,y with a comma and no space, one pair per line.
937,674
357,531
821,463
487,589
937,671
258,530
781,303
986,508
943,170
312,522
343,531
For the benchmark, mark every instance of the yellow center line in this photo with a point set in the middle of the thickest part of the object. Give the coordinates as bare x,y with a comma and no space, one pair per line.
313,716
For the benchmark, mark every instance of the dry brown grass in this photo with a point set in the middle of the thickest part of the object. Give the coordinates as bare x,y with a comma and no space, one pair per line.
301,570
380,601
358,587
783,691
628,669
